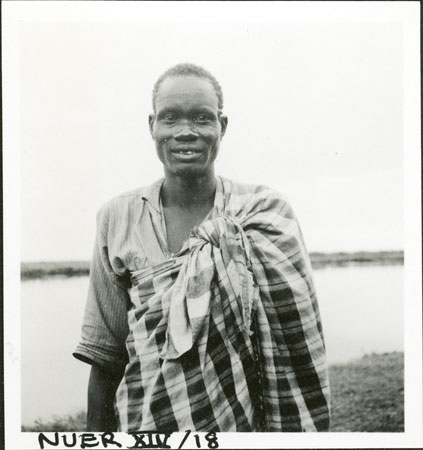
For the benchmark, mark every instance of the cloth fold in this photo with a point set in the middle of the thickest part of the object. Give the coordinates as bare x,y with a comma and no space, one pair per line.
191,294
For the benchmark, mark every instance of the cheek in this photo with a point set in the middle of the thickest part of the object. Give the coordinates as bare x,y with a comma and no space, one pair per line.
211,136
161,136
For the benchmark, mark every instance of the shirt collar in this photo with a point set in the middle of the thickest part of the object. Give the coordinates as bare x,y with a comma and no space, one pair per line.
152,195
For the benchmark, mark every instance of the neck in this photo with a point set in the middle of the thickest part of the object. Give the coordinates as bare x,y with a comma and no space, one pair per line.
188,192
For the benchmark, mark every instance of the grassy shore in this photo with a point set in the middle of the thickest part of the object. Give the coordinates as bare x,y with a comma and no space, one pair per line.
320,260
31,270
367,395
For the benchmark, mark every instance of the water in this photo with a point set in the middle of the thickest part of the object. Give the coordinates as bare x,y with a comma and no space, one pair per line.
361,308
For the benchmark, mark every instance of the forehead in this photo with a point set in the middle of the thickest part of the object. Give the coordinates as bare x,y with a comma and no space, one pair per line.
186,92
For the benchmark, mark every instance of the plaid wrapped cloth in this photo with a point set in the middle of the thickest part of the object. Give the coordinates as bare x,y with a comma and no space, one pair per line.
226,335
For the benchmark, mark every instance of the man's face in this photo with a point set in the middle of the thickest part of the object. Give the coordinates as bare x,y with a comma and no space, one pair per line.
187,126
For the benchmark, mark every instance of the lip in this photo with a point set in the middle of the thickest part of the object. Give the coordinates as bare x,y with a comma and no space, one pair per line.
186,153
185,148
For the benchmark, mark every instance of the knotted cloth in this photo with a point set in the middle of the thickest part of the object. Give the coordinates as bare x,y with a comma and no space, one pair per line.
227,335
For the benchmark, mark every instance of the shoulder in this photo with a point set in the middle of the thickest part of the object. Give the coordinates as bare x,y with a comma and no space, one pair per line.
256,197
127,203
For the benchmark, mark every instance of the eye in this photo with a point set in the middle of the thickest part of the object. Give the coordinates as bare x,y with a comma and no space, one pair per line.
201,119
169,118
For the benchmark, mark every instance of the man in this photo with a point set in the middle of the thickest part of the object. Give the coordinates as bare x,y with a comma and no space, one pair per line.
201,311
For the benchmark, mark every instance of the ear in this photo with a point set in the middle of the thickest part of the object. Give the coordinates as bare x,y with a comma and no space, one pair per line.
223,123
151,119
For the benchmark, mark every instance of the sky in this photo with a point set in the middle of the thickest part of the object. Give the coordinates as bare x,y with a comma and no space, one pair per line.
315,111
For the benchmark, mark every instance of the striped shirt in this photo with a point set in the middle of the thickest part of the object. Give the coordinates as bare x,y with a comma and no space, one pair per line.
226,334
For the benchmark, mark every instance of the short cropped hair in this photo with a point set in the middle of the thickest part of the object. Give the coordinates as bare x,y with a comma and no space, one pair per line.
189,69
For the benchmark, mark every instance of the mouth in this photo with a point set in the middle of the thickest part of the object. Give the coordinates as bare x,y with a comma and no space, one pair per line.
186,154
185,149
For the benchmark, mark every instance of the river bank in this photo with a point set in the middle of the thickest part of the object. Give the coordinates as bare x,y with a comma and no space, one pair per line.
41,269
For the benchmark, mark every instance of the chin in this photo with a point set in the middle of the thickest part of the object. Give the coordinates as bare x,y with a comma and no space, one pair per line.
189,171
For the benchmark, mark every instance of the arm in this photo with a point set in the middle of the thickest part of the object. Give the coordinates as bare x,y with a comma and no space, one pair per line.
104,332
102,388
288,298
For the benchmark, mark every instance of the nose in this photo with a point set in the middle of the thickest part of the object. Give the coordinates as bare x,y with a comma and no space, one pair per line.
185,132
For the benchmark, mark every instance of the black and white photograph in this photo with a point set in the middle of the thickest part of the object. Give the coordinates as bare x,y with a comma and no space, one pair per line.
212,224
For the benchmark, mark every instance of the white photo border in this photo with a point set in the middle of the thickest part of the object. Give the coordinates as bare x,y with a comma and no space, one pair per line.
407,13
